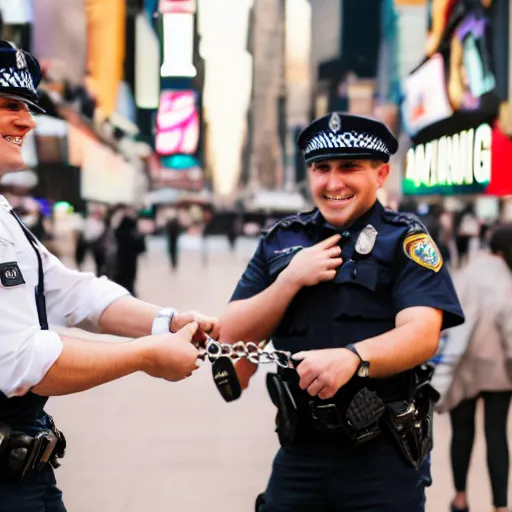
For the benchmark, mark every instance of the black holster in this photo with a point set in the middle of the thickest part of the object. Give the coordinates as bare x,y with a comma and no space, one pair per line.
287,416
21,454
410,422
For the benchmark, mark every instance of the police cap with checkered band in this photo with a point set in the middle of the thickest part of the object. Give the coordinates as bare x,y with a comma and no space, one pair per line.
20,75
340,135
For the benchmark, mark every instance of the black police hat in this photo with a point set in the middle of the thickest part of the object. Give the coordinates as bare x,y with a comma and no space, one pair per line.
340,135
20,75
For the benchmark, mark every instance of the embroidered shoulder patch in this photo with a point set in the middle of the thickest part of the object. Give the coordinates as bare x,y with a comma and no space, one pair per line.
423,250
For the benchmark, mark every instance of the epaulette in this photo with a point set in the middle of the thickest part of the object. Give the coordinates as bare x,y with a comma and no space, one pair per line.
301,218
409,220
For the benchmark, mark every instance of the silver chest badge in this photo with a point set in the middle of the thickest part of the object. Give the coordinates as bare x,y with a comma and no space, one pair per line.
335,122
366,240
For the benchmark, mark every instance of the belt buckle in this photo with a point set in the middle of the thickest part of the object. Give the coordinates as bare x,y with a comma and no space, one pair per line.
328,415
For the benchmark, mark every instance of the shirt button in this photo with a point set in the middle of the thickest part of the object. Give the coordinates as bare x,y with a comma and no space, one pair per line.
354,273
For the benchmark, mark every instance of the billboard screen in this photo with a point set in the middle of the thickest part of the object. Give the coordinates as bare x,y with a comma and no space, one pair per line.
454,88
451,105
177,123
178,45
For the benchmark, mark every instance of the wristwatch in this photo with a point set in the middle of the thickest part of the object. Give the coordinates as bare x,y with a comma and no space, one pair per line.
363,370
162,321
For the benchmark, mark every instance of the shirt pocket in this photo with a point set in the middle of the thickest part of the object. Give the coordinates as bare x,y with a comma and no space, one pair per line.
278,262
364,291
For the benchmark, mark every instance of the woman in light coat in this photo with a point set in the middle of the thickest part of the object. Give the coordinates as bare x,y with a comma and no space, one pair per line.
485,369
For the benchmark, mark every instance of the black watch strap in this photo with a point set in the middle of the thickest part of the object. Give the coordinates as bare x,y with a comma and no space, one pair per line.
363,370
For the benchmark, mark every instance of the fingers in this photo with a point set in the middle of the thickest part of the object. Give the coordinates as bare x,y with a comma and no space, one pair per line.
334,263
187,332
206,323
306,372
215,332
334,251
315,387
329,242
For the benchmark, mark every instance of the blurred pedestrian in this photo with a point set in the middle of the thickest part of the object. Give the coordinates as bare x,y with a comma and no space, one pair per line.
130,244
93,239
173,229
467,228
485,369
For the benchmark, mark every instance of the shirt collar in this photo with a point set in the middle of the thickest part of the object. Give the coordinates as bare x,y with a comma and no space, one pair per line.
372,216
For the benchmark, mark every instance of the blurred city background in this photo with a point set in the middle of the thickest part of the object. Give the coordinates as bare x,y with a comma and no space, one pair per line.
168,143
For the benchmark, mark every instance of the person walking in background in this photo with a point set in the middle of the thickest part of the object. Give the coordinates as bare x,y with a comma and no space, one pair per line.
484,371
467,228
173,229
93,240
129,245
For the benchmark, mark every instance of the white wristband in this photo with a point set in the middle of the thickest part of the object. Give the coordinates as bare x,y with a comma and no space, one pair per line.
162,321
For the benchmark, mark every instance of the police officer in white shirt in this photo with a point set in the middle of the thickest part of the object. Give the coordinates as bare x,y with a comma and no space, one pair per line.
36,291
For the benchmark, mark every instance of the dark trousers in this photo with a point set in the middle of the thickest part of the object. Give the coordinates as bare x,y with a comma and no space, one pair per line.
35,493
496,405
333,477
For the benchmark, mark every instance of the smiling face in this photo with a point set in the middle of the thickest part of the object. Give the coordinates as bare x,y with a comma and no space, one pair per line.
345,189
15,122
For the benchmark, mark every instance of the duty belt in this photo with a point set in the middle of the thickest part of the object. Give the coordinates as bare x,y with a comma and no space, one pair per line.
21,454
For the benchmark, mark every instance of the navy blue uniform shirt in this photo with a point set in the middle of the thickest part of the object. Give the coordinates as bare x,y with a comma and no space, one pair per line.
402,270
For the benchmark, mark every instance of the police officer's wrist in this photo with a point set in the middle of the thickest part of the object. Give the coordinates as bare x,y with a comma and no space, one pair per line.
162,324
362,366
285,279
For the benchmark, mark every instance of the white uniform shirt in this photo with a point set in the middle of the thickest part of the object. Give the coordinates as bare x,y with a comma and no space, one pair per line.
26,351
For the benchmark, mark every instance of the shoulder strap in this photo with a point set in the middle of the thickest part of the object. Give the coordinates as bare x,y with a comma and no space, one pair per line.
39,290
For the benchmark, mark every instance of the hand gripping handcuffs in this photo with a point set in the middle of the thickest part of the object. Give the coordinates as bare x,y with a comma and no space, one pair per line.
224,355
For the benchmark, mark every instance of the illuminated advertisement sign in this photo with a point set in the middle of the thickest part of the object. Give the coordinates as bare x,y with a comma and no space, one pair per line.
177,171
177,123
180,6
451,106
474,161
178,45
426,101
454,88
451,162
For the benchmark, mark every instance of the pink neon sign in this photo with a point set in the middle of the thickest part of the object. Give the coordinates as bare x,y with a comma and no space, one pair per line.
177,123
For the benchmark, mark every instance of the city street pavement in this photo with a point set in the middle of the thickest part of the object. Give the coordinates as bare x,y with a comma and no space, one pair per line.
141,444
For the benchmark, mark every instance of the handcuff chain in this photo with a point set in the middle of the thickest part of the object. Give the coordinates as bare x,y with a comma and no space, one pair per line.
214,350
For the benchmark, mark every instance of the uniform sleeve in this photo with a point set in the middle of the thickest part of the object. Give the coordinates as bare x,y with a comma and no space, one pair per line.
255,279
26,352
73,297
417,285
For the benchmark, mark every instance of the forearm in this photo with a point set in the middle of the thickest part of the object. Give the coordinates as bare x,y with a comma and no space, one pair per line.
83,365
128,317
257,318
400,349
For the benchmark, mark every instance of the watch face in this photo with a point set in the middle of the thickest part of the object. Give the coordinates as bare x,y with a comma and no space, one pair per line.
363,371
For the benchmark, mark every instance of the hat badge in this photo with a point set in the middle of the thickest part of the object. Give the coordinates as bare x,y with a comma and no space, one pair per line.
335,122
21,62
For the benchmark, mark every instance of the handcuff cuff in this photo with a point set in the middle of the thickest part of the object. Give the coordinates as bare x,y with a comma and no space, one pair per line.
224,355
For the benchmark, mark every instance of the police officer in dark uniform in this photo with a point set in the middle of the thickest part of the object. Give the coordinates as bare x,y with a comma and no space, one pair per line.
359,295
38,292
